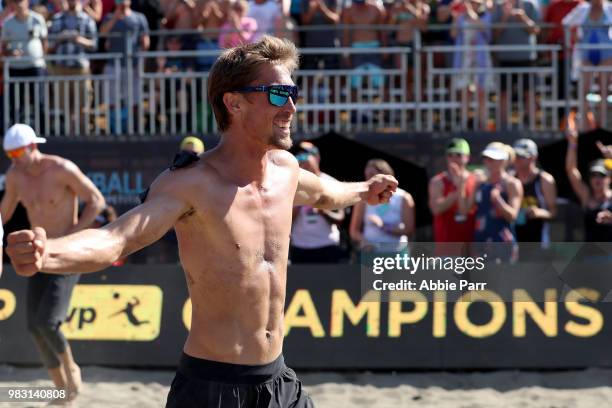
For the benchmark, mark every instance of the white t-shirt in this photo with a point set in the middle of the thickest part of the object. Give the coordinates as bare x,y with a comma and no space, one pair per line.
391,214
266,15
311,230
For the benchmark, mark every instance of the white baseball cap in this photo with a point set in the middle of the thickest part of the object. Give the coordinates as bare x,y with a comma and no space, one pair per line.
495,151
20,135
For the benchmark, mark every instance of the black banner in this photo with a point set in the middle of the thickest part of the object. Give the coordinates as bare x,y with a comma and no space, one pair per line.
138,316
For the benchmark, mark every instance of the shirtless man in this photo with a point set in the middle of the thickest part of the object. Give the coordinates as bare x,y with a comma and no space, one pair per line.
49,188
361,12
231,209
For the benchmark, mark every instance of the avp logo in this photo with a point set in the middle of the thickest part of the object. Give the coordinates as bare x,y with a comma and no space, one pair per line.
114,312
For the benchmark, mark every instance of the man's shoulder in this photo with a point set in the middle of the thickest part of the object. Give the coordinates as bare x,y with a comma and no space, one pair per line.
283,158
38,17
547,177
11,22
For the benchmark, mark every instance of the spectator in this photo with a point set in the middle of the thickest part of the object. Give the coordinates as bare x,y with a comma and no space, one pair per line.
93,8
192,144
267,13
154,14
471,28
73,34
212,15
134,26
181,15
285,28
498,198
177,91
6,11
539,204
24,35
445,192
555,13
385,226
441,15
594,20
410,16
360,12
315,237
239,29
320,13
594,197
522,19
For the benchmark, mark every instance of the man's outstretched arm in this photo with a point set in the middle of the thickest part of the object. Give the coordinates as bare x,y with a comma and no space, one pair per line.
331,194
91,250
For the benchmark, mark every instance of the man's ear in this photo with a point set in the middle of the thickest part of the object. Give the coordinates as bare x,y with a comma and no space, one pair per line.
233,102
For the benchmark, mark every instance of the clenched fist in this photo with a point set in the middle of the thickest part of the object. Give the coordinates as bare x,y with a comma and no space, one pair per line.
26,249
380,189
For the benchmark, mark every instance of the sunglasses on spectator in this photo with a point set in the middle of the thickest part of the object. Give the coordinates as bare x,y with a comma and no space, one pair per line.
16,153
278,95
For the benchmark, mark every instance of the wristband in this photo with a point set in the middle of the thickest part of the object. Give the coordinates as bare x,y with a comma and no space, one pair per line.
573,145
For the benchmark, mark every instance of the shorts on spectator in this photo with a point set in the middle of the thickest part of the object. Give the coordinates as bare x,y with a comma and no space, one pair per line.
373,75
71,93
110,98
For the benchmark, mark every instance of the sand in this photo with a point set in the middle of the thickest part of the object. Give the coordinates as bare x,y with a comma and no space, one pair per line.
592,388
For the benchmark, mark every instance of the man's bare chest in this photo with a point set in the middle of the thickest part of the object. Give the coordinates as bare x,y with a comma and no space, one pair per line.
44,189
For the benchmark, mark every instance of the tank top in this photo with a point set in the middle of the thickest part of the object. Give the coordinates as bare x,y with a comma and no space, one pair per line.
311,230
532,230
445,226
594,232
391,214
490,227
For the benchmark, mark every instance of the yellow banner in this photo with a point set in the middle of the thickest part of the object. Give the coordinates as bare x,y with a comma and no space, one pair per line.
114,312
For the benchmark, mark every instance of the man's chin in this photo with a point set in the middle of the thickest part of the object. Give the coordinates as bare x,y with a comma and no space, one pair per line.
282,141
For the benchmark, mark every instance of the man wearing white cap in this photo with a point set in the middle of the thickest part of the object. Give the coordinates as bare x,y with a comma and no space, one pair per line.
498,199
539,195
49,188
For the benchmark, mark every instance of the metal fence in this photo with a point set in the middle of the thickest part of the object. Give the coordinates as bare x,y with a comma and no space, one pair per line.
406,90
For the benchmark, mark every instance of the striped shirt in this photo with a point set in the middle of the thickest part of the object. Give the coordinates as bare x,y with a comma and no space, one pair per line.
80,23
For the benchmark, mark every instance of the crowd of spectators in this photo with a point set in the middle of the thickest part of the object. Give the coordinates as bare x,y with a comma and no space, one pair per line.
503,206
31,29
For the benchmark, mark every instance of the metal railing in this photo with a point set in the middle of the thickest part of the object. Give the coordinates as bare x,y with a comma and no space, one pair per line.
406,90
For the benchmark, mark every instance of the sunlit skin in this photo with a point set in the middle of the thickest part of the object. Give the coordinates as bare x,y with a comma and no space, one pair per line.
457,172
49,187
231,211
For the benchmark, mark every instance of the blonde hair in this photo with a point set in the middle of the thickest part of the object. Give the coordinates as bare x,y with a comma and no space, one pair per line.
239,66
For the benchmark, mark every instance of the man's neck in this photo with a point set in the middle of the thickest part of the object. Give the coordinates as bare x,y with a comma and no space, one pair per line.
527,173
496,177
243,162
22,16
35,169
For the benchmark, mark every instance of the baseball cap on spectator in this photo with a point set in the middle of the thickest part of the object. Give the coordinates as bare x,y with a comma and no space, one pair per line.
458,145
496,151
525,148
599,167
20,135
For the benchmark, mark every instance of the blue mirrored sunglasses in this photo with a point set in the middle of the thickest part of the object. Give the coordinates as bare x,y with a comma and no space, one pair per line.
278,95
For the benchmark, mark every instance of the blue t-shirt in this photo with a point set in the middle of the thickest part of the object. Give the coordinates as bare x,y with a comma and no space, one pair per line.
135,24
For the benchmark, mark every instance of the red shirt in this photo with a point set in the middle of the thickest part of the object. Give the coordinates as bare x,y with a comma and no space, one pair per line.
445,228
555,13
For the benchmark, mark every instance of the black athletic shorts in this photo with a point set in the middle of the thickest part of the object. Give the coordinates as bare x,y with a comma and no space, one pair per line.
210,384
